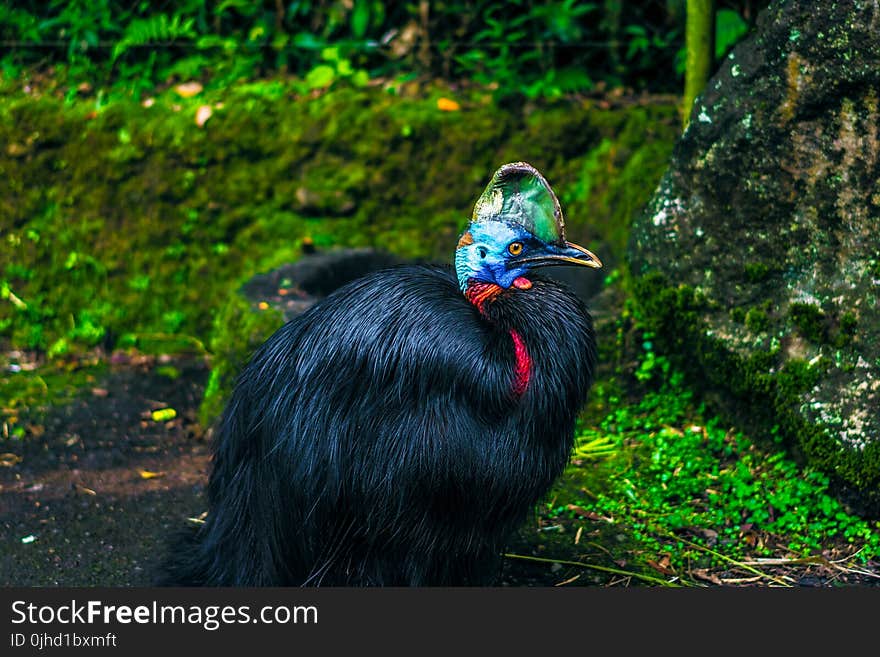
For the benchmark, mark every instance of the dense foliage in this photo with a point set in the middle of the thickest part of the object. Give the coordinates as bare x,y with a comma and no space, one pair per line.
524,47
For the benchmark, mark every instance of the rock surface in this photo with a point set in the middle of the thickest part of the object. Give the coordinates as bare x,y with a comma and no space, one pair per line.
758,258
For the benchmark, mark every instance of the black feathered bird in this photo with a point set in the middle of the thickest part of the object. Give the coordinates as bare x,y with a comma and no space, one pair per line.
397,432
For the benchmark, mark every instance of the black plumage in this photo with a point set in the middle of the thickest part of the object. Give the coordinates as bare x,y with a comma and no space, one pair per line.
377,440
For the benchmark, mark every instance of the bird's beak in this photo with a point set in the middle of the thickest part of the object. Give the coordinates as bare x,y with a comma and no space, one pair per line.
565,254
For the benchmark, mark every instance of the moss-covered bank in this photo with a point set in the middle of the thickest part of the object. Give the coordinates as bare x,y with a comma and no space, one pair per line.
128,224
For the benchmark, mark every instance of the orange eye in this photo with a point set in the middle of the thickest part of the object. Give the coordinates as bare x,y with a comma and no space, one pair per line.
515,248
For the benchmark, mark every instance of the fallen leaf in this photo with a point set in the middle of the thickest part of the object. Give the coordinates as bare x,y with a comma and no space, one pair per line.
584,513
9,459
701,573
447,105
28,539
203,114
83,489
100,392
163,415
710,535
188,89
262,305
16,150
661,566
146,474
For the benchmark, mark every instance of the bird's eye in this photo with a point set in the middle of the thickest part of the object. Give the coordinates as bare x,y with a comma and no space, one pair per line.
515,248
482,253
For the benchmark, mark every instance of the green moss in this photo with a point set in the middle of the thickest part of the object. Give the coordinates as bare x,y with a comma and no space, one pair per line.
613,179
848,322
52,383
796,377
756,271
757,320
766,391
845,330
810,321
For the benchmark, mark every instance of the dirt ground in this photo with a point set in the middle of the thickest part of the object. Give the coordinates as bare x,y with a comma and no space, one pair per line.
93,498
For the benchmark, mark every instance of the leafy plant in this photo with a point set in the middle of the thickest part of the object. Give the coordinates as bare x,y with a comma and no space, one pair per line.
730,27
159,29
334,68
519,47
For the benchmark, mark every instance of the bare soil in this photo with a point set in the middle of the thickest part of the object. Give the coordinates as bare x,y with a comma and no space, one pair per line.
93,499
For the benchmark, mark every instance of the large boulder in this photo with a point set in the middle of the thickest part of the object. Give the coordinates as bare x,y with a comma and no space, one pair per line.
758,259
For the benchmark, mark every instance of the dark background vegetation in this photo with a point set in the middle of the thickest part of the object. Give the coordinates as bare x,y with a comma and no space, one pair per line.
522,47
127,228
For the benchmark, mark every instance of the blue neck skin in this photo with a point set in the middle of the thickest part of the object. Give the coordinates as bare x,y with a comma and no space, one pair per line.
484,257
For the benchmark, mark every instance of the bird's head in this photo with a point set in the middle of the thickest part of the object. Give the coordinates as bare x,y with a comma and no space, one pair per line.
517,225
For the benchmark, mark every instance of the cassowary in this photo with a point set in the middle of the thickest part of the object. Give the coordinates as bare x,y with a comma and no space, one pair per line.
398,431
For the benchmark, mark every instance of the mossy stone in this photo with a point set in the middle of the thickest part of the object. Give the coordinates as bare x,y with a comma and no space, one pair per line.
768,206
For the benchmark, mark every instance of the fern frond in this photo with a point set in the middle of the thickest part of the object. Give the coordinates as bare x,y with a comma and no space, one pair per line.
156,29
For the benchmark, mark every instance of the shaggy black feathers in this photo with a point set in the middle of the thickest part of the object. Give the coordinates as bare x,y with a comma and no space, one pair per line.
376,439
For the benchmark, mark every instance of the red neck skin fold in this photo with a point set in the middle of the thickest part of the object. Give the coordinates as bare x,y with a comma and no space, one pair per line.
523,368
480,294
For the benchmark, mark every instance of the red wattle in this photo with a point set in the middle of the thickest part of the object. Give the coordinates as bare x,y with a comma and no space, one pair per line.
523,368
479,294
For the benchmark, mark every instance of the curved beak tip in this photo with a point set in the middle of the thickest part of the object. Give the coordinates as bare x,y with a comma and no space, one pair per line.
581,256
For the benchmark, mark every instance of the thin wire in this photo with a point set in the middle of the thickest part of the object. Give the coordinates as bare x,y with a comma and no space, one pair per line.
184,44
